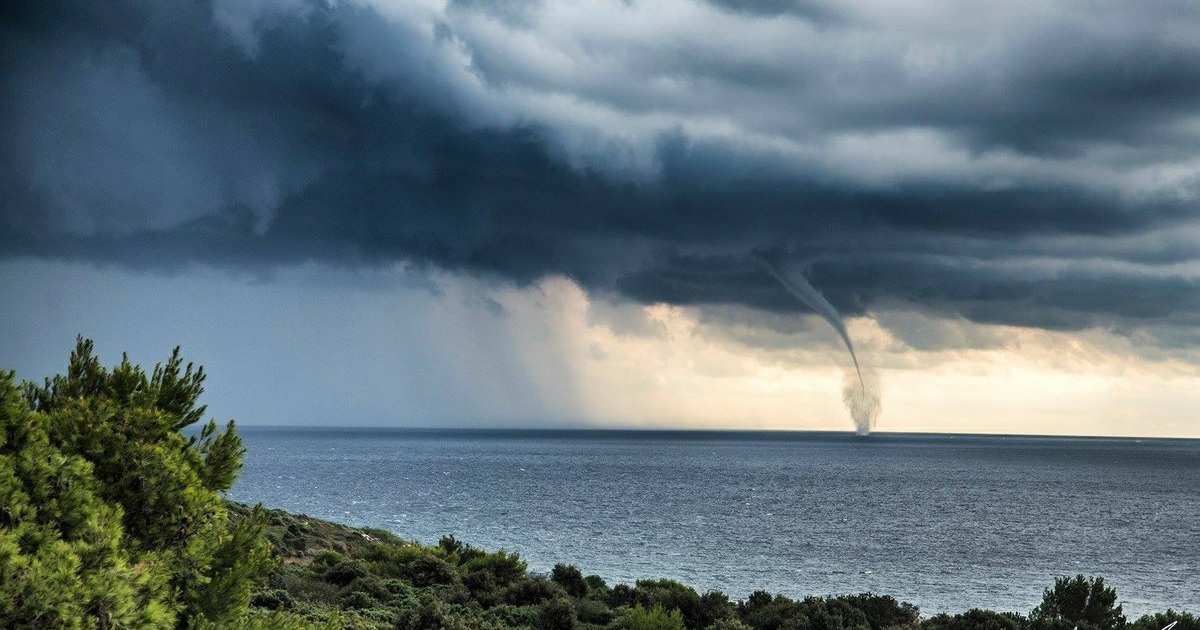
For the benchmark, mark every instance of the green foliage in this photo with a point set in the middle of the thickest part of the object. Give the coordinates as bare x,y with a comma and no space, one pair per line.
383,594
61,561
766,612
532,590
274,599
1078,602
112,517
653,618
1185,621
596,584
882,611
975,619
429,570
559,614
275,620
512,616
831,614
345,572
593,612
672,595
729,623
506,568
715,606
570,579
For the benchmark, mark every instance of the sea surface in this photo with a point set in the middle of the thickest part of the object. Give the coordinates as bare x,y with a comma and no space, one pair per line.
947,522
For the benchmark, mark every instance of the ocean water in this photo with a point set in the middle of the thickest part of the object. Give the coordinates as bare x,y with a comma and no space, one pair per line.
945,522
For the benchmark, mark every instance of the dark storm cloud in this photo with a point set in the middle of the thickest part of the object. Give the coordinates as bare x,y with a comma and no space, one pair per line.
1059,88
818,12
1052,181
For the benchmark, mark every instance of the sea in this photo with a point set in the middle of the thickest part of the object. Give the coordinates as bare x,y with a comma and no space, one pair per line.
946,522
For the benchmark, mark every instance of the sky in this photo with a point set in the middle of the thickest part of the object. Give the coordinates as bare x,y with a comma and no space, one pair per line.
545,213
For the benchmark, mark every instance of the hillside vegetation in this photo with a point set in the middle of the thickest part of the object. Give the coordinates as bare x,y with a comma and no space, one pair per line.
113,517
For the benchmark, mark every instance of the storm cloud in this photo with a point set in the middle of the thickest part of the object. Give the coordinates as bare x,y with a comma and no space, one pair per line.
1032,164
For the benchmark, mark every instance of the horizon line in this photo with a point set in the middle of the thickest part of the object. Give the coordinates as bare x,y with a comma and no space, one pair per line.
681,430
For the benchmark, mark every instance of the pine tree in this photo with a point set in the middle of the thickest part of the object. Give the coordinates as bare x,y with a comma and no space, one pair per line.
113,516
62,564
1078,602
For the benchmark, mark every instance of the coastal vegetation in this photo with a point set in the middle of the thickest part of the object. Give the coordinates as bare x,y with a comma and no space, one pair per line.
113,515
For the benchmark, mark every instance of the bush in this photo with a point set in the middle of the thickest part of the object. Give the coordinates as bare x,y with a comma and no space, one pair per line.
672,595
557,615
714,606
369,586
358,599
975,619
729,623
531,591
767,612
596,584
505,567
327,558
654,618
593,612
513,616
570,579
429,571
274,599
483,587
882,611
1157,621
345,572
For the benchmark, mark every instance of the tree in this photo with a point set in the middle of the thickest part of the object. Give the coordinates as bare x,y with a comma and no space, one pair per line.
111,504
1157,621
672,595
883,611
62,564
570,578
974,619
1078,601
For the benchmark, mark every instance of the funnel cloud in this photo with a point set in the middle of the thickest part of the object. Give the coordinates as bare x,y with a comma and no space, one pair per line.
862,401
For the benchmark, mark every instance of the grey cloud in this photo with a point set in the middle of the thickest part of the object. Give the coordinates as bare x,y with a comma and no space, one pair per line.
820,12
517,13
1059,88
623,318
160,136
922,332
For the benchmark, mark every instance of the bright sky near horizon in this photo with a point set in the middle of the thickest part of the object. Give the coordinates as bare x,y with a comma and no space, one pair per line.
541,213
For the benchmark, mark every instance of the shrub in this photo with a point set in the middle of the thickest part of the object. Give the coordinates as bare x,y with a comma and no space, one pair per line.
975,619
513,616
345,572
654,618
274,599
429,571
532,590
1185,621
570,579
882,611
672,595
557,615
593,612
